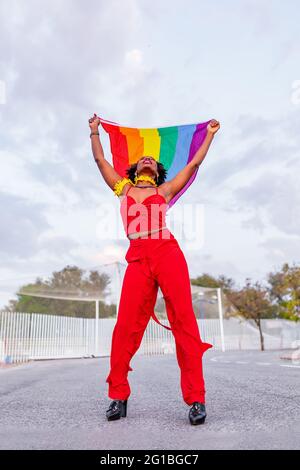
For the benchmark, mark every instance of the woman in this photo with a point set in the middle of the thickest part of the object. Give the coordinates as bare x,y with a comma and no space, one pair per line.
155,259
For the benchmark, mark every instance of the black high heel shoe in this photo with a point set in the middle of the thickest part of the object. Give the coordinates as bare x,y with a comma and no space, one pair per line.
197,413
117,409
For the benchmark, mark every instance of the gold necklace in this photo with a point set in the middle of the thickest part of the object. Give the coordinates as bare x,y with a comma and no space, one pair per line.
144,178
119,185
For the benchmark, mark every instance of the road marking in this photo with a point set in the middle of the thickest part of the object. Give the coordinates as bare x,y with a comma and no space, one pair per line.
223,361
287,365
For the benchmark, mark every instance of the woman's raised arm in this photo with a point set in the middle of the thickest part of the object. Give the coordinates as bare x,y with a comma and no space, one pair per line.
108,172
172,187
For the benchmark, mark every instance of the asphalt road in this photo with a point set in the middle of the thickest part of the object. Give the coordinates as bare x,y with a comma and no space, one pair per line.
253,402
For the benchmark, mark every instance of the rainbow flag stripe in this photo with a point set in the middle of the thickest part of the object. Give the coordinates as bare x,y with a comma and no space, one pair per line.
173,146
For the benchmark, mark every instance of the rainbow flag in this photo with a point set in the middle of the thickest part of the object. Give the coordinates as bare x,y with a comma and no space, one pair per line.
173,146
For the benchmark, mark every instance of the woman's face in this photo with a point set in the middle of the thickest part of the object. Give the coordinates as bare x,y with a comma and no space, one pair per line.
147,161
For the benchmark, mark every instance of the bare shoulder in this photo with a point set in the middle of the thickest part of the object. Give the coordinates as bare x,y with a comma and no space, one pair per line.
165,190
126,188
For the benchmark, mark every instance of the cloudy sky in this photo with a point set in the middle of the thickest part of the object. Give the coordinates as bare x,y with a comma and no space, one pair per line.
148,63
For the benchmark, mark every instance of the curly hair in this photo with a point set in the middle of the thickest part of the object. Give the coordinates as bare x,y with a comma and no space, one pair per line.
162,173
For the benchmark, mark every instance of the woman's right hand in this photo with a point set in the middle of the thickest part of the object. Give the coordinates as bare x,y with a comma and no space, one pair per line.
94,122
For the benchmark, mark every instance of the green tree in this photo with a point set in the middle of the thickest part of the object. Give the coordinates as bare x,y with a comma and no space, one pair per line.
285,291
71,282
207,280
225,283
253,303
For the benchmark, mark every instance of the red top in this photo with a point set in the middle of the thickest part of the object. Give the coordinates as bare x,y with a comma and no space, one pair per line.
143,216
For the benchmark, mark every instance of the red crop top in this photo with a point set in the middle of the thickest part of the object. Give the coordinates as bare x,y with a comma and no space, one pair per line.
143,216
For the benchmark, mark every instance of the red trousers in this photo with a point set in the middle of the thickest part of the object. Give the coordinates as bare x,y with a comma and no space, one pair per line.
152,263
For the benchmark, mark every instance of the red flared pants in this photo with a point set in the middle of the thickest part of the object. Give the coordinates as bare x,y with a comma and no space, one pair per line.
152,263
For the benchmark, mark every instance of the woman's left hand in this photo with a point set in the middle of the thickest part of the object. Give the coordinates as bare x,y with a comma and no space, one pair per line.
213,126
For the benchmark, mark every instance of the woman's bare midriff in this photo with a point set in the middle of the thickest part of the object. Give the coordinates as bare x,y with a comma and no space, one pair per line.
133,236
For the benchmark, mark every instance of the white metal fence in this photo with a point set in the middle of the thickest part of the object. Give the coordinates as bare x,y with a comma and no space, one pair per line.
277,333
28,336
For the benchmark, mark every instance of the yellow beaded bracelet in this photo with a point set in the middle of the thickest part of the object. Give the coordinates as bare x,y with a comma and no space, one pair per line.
119,185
